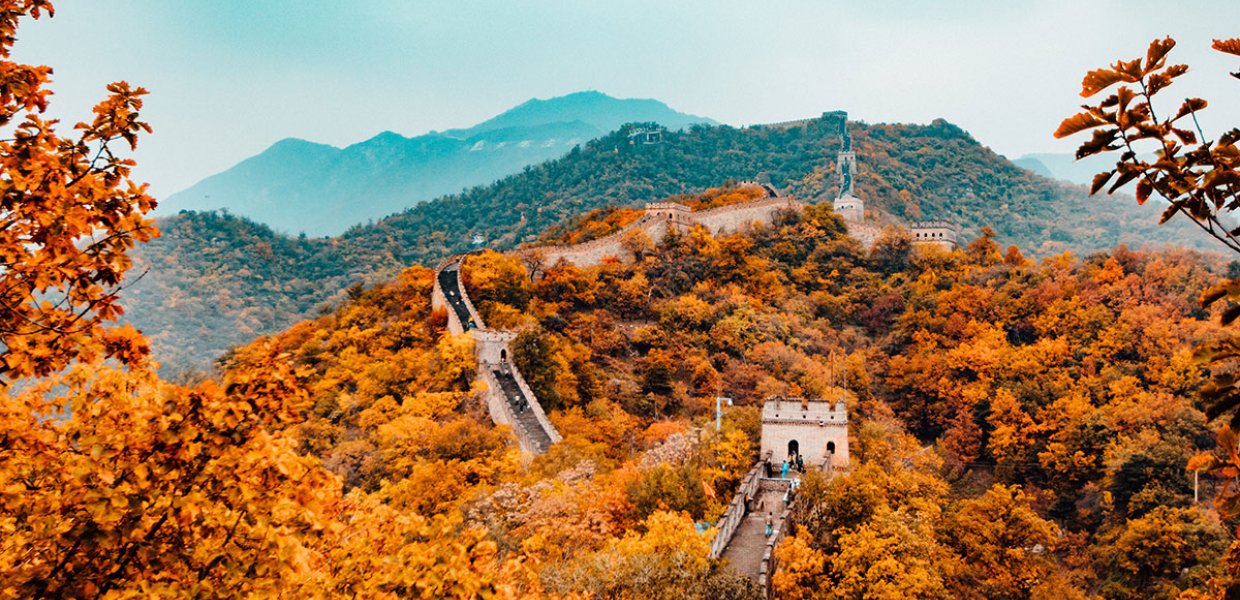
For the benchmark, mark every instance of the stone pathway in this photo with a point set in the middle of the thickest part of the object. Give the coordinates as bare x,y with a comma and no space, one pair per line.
744,552
449,282
520,405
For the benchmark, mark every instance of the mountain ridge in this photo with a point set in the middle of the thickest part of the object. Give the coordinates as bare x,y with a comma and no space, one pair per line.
296,185
217,280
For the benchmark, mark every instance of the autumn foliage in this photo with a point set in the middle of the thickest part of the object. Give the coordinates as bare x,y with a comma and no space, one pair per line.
1021,428
68,214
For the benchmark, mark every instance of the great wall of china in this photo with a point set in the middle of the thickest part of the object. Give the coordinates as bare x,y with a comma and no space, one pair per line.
509,399
817,430
662,218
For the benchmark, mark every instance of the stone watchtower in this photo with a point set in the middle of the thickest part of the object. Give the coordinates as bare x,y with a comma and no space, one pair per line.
816,429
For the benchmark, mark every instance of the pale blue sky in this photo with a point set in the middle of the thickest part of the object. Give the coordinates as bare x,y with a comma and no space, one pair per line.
230,77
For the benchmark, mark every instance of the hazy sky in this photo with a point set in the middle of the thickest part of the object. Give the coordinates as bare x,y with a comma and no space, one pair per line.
230,77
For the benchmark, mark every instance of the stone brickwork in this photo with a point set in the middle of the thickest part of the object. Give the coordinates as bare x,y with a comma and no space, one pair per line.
743,216
943,234
850,208
658,220
491,345
817,429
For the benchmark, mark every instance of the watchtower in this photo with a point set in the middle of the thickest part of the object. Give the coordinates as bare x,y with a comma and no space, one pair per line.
943,234
817,430
674,212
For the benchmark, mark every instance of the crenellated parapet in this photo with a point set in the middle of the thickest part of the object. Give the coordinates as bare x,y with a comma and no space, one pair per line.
943,234
661,218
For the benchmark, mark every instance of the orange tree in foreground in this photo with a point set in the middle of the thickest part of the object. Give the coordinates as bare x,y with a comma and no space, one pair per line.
1198,177
68,214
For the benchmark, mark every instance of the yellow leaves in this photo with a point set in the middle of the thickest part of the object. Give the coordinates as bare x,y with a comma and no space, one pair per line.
1201,461
160,484
801,568
666,533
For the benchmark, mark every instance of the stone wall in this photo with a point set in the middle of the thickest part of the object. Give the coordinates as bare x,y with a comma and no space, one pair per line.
497,406
439,301
660,218
491,345
743,216
536,406
491,348
850,208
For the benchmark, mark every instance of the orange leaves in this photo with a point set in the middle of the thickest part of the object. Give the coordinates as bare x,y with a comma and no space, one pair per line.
1144,189
141,482
1197,176
70,215
1078,123
1157,52
1229,46
1100,79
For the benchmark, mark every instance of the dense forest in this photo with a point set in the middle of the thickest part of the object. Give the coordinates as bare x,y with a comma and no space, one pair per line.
214,280
1021,427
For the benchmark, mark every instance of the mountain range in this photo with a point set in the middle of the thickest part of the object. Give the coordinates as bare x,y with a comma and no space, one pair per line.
214,280
1066,166
297,186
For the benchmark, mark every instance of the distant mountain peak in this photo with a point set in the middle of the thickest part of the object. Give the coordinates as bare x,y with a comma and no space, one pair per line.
297,144
593,107
297,185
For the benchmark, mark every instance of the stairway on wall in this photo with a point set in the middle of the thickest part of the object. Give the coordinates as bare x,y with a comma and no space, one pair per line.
745,550
453,291
522,410
510,402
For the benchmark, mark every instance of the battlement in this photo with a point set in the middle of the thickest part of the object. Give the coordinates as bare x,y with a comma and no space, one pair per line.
788,124
798,410
646,136
655,207
944,234
661,218
934,223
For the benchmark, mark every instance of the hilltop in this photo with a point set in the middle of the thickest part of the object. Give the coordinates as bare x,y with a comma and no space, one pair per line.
216,280
297,186
994,402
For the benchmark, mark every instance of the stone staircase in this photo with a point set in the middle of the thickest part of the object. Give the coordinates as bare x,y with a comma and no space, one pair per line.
509,399
449,281
522,409
742,541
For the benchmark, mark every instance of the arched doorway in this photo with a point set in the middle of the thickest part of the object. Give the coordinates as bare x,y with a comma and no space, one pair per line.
794,448
503,355
830,447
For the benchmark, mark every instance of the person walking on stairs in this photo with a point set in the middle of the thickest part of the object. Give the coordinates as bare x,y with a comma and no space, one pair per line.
770,524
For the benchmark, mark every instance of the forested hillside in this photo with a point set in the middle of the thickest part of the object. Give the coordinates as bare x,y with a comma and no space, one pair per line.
220,263
971,373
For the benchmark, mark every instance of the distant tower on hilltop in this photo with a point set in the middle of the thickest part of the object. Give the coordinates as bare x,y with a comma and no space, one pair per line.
847,204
